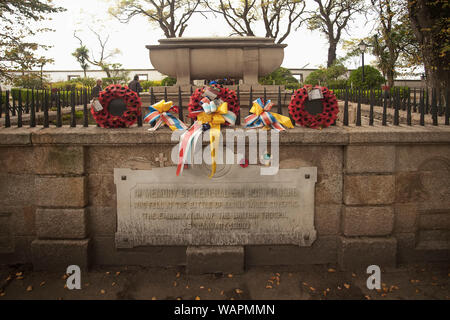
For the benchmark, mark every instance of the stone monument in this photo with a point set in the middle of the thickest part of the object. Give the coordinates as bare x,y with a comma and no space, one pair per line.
189,59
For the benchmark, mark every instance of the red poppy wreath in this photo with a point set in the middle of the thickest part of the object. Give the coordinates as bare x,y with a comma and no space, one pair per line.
225,94
121,107
318,113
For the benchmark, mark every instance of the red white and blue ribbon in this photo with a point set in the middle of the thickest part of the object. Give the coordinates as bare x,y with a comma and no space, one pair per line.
262,117
160,115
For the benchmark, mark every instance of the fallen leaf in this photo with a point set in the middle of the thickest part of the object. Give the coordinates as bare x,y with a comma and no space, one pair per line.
178,275
202,287
277,274
187,286
271,281
209,289
290,274
231,298
325,293
65,286
197,298
117,273
331,270
9,278
102,291
339,288
328,290
385,290
222,293
19,278
312,289
268,286
417,290
174,283
178,298
367,297
2,294
42,284
113,284
153,298
383,294
107,272
29,288
230,275
239,291
64,277
346,285
18,274
305,283
434,284
354,275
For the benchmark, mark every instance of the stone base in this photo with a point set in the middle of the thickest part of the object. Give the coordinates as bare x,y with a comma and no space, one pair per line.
214,259
57,255
357,253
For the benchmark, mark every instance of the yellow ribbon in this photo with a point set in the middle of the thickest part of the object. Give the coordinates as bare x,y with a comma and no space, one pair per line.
214,119
283,120
163,106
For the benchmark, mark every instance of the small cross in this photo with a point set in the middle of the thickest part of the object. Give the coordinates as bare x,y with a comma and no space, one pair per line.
161,159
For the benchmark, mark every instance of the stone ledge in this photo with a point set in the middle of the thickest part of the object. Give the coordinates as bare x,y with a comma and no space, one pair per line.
57,255
214,259
355,253
337,135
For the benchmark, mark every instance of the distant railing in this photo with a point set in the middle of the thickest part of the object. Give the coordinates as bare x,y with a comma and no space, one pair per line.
410,101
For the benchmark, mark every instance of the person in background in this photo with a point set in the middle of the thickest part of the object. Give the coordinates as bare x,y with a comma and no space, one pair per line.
135,85
97,89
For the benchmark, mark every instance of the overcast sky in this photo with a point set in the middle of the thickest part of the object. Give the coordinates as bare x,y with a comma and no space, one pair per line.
305,48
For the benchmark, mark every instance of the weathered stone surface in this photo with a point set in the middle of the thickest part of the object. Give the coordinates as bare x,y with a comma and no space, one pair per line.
239,206
17,189
405,217
214,259
66,192
61,223
59,160
102,221
370,159
103,160
102,191
16,136
57,255
432,221
411,157
17,160
327,159
369,189
104,252
6,233
327,219
22,219
409,250
329,189
368,221
362,252
21,251
323,250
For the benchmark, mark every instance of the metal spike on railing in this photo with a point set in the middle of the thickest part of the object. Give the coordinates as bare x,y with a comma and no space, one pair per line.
422,107
58,110
33,110
180,104
85,108
265,95
280,109
371,107
346,107
384,118
27,102
1,102
358,109
7,119
434,110
73,120
408,109
396,106
46,122
19,110
447,109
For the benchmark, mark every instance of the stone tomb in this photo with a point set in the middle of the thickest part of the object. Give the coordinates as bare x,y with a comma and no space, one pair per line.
236,207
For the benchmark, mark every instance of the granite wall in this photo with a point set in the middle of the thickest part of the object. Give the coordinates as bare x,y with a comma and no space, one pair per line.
382,196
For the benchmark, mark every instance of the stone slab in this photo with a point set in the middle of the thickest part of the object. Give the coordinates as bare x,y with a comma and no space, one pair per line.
369,189
370,159
68,192
61,223
57,255
238,206
59,160
355,253
368,221
215,259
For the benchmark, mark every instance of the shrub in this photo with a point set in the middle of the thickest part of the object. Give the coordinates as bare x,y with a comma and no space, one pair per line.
372,78
168,81
280,76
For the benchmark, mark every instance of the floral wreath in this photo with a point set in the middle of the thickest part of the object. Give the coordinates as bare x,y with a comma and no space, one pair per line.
225,94
133,107
321,120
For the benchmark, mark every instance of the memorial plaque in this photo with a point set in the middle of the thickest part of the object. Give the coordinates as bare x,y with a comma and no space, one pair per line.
239,207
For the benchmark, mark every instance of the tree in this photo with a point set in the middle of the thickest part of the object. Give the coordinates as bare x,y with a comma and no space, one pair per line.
101,60
332,17
431,25
372,78
279,17
17,20
82,56
170,15
332,76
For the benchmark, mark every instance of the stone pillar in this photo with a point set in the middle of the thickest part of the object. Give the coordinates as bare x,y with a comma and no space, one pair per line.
368,216
251,66
61,216
183,61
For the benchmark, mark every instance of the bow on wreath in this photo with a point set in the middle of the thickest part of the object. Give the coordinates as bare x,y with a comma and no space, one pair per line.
214,114
262,117
159,113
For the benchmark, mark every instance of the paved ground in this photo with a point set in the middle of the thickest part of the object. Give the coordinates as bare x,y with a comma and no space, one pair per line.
427,281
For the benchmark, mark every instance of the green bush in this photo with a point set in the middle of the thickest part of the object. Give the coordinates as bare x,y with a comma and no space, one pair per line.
329,77
281,76
146,84
372,78
168,81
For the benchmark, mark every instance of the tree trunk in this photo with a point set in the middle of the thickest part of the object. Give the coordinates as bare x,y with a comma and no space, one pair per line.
331,52
424,21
